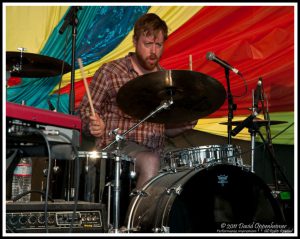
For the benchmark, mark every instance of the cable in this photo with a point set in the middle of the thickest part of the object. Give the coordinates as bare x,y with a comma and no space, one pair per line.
246,88
48,177
282,131
16,198
10,229
276,162
10,159
33,130
77,179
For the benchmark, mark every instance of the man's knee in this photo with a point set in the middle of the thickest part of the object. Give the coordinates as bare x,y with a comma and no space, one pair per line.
148,162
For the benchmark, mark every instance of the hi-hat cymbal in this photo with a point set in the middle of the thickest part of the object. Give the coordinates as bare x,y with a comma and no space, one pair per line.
34,65
259,122
195,95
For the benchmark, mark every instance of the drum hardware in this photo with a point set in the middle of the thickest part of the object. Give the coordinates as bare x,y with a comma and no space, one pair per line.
177,190
117,157
168,169
109,185
163,229
133,172
55,167
136,192
18,66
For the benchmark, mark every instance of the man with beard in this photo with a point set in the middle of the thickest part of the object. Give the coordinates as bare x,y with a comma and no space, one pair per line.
144,143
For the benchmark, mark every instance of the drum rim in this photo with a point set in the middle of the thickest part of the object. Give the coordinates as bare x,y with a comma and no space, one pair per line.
205,146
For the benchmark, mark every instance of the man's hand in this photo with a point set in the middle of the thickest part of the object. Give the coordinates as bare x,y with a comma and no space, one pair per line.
96,126
172,130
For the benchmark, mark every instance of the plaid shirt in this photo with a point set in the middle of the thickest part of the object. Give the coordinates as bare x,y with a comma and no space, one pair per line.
107,81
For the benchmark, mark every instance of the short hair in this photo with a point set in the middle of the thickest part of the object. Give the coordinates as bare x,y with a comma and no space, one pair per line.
150,24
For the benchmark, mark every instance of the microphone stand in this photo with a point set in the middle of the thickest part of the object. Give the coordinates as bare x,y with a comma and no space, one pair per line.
71,19
118,138
253,130
231,106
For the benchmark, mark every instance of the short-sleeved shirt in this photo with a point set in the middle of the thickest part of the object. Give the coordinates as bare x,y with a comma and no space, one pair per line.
104,87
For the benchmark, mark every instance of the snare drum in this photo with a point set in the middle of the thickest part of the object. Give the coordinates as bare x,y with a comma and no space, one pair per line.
204,156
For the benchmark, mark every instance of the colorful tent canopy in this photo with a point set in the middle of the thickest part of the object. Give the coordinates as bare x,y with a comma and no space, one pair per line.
257,40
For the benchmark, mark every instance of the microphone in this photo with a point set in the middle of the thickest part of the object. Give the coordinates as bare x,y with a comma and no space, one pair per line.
244,124
212,57
69,18
257,93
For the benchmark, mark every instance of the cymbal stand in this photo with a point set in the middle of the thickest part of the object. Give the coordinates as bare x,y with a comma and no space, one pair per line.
116,191
18,66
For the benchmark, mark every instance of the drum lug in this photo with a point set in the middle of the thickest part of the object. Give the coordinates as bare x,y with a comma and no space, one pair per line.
176,190
163,229
136,192
168,169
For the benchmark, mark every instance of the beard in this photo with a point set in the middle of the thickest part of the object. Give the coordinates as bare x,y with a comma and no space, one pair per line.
149,62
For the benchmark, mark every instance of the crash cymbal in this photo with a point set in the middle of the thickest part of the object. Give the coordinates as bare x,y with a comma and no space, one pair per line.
259,122
34,65
195,95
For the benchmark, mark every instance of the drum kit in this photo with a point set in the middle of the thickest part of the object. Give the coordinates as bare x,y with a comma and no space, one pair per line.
216,170
201,187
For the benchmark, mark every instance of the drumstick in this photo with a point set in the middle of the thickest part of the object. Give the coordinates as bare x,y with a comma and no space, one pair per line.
191,62
86,86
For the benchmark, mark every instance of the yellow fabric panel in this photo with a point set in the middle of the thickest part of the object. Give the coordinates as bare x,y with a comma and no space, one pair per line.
31,26
213,126
175,16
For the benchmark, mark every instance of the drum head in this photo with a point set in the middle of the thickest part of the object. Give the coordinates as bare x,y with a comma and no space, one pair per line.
223,194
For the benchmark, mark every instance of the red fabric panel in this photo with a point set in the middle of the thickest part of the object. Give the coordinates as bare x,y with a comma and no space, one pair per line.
259,41
13,81
79,90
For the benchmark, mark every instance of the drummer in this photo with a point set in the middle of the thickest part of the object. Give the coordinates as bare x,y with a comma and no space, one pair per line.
145,143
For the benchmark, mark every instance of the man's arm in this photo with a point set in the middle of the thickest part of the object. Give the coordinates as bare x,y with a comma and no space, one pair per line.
172,130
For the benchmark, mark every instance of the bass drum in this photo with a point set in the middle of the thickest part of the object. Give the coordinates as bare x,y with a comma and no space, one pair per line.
199,200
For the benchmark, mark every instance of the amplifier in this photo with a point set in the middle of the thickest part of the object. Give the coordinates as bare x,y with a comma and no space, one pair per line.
30,217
